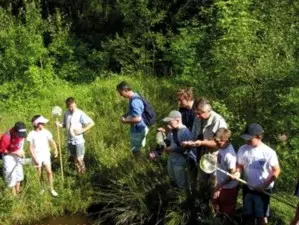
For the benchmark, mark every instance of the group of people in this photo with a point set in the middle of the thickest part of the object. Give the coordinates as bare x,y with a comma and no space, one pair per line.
188,134
195,130
40,140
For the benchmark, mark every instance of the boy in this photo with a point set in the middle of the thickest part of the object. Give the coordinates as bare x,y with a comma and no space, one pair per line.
259,163
11,146
39,140
226,191
176,164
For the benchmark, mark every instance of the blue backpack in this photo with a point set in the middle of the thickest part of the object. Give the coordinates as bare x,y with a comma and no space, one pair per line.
149,115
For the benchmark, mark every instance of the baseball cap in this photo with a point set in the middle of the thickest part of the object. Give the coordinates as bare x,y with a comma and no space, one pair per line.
172,116
20,129
40,119
251,131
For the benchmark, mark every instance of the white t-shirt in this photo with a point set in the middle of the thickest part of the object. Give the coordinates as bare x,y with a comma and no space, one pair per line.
75,121
40,141
257,163
226,160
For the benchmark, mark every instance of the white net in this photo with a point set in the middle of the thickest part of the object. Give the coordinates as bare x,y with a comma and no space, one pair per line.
56,111
208,163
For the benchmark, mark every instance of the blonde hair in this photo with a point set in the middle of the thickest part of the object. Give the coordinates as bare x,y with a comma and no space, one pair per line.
223,134
186,93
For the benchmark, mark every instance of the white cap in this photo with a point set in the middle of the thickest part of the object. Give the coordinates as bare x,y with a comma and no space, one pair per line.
40,119
172,116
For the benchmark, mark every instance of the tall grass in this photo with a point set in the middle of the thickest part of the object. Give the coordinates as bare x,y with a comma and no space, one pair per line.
126,190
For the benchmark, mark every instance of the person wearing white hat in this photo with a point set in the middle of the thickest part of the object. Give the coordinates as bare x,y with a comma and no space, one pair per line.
39,140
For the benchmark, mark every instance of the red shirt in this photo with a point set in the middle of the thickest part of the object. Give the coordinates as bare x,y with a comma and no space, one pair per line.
10,142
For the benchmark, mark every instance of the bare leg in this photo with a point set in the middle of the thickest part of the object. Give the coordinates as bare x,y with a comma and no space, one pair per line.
17,187
50,175
13,190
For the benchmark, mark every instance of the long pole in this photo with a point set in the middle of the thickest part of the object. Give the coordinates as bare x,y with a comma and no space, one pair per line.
59,149
264,192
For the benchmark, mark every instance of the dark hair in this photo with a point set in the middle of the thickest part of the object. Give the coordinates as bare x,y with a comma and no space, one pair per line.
69,100
34,118
123,86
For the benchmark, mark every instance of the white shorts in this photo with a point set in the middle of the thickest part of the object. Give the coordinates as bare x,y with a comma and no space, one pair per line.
43,159
12,170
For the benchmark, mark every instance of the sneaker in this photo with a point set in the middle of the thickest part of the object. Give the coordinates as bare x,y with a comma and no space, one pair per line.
54,193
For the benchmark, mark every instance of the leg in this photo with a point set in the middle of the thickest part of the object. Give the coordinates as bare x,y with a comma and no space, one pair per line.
138,140
50,175
248,204
79,160
170,171
179,169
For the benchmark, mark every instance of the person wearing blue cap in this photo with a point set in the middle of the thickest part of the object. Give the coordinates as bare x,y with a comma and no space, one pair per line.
259,164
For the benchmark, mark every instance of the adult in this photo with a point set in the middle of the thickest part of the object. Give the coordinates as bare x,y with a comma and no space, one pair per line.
138,128
11,146
76,123
259,164
204,128
185,102
176,164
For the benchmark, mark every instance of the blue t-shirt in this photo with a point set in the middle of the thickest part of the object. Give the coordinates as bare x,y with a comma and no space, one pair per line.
136,108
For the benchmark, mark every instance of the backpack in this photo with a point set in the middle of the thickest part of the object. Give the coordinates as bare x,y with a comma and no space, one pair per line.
149,115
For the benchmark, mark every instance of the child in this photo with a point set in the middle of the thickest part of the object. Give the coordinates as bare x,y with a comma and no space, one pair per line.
176,164
11,146
39,139
226,191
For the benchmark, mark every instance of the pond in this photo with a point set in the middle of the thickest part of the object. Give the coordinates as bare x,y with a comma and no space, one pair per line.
66,220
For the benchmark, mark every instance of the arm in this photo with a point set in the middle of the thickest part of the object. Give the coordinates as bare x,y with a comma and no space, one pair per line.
54,146
272,177
90,125
131,120
135,114
31,151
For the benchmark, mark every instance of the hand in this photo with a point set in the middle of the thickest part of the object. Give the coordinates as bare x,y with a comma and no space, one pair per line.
187,144
161,129
55,153
122,119
58,124
35,161
20,153
261,187
216,194
167,150
236,175
79,131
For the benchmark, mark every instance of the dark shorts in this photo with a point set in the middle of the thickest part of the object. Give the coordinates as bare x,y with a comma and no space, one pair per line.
77,151
256,203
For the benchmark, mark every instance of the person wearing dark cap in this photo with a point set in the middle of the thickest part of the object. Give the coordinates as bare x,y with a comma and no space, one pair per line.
11,146
259,164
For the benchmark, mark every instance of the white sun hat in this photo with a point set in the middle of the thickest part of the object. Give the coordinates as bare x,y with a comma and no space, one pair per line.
40,119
